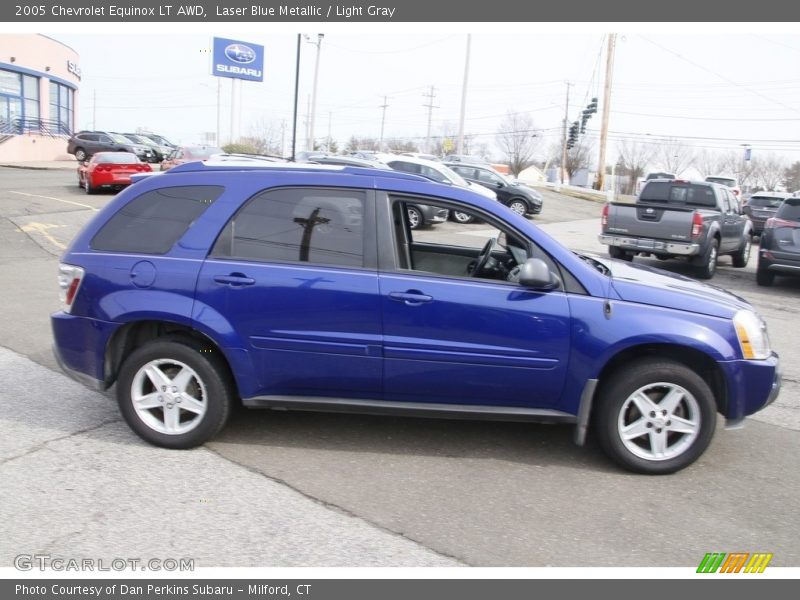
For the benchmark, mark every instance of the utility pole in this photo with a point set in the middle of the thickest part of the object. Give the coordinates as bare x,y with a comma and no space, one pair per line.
601,167
430,107
318,44
94,110
328,143
296,87
383,122
460,144
564,137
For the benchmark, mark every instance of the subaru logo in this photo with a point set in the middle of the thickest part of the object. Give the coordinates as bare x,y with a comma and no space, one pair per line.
649,211
240,53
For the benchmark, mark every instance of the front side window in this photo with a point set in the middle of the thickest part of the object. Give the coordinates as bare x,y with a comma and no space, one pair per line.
482,249
153,222
303,225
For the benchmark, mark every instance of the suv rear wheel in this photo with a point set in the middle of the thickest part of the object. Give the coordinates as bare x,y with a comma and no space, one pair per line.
174,393
80,154
655,416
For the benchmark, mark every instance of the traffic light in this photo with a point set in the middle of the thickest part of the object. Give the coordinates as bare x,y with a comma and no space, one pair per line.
573,134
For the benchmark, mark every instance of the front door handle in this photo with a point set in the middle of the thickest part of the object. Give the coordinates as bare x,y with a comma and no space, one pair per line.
234,279
411,297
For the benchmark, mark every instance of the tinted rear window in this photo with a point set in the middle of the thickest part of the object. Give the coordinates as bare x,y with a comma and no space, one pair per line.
153,222
767,201
678,193
789,210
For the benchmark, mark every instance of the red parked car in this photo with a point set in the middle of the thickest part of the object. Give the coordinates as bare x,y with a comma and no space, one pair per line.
109,170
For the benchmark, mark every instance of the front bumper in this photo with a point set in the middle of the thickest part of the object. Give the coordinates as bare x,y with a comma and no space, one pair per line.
752,386
650,245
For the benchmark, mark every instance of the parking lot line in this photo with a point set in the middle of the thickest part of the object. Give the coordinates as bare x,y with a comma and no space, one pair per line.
56,199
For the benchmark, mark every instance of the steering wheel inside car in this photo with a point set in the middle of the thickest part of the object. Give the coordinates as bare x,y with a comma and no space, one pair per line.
483,257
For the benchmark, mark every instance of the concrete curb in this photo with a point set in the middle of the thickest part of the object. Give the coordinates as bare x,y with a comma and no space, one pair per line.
39,167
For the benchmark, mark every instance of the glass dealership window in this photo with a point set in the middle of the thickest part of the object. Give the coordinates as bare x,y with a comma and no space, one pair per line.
62,105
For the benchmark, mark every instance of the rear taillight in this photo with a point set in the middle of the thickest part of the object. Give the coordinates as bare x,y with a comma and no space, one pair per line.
697,225
604,218
69,280
775,222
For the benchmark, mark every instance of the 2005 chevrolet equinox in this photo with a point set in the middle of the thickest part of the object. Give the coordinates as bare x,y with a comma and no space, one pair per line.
303,287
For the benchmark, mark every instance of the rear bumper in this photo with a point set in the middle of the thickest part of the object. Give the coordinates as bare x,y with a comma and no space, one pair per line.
79,347
650,245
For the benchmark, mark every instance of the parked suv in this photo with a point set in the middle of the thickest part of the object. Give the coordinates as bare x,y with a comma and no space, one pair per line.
516,196
86,143
779,247
762,206
290,286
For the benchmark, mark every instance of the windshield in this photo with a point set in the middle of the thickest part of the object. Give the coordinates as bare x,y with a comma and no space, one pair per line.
790,210
142,140
116,158
453,176
119,139
202,151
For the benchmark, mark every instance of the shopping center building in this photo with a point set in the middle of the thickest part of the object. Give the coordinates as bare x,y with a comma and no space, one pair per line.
39,80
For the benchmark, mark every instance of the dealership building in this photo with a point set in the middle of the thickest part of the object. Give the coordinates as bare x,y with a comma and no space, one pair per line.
39,80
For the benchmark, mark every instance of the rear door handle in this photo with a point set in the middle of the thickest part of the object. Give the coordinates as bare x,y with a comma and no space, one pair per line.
234,279
411,298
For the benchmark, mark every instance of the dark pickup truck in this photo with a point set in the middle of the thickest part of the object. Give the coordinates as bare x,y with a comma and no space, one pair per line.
675,218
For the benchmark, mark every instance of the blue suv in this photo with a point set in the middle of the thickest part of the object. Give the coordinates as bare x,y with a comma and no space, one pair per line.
304,287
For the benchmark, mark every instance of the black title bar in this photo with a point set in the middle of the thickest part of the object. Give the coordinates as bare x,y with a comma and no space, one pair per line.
399,11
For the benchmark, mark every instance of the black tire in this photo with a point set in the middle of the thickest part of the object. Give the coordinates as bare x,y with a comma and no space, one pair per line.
619,253
655,379
87,185
764,277
80,154
742,255
415,218
207,388
518,206
708,267
461,217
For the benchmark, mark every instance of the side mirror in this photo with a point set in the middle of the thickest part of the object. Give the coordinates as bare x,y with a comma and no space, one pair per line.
534,273
499,184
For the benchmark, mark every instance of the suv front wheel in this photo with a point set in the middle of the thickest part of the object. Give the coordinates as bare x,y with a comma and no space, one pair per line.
655,416
174,393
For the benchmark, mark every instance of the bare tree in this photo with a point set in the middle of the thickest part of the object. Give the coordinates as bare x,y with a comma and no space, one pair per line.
770,171
516,138
580,156
791,177
674,156
361,143
265,137
634,157
399,145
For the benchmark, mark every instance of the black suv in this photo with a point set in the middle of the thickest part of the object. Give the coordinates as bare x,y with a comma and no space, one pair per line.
779,248
84,144
519,198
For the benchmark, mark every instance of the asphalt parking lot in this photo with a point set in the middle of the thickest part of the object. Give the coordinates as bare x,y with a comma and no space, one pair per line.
304,489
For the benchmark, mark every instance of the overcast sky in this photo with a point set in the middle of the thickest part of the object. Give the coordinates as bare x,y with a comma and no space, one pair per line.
711,90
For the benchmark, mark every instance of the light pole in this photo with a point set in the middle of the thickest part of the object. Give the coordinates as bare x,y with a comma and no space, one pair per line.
318,44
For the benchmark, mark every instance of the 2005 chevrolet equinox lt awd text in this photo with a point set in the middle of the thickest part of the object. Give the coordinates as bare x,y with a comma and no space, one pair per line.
292,286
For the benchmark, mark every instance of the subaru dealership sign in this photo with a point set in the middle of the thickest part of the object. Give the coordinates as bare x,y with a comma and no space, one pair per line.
240,60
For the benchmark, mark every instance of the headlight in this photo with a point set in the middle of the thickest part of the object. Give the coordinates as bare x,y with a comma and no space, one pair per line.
752,334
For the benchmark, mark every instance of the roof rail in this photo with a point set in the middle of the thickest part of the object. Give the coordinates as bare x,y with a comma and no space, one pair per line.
212,164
